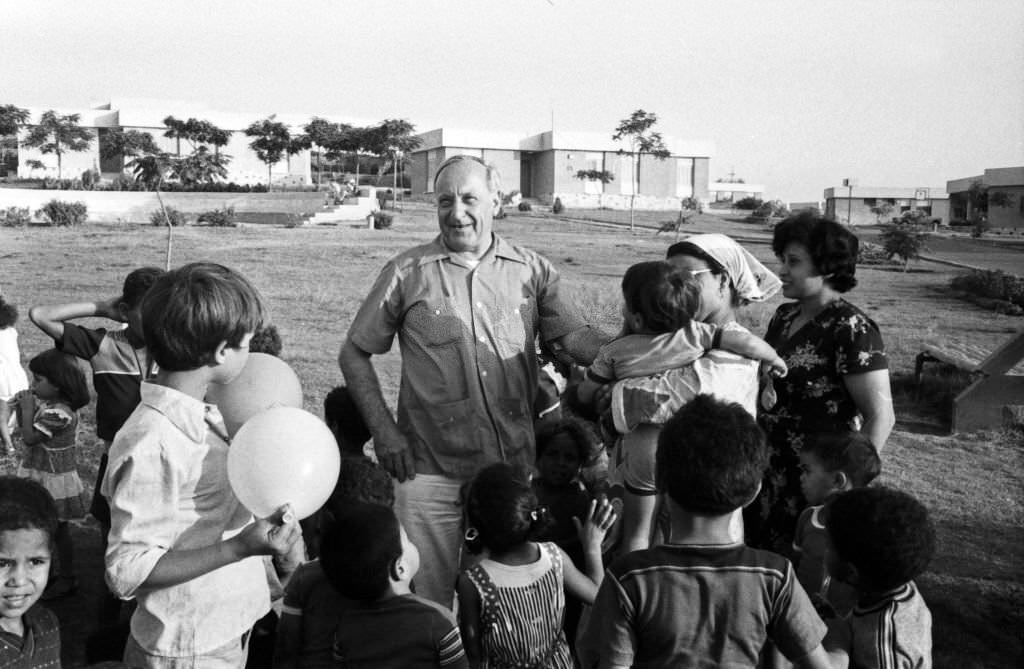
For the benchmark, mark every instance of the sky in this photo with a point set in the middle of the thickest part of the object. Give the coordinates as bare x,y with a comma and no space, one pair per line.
795,95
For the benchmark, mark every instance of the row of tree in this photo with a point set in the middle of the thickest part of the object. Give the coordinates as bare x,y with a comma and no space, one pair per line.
272,141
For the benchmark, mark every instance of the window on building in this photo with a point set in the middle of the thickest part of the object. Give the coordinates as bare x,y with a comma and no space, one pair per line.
870,201
593,161
891,201
684,177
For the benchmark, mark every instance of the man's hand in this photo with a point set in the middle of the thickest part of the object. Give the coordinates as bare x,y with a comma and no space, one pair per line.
396,457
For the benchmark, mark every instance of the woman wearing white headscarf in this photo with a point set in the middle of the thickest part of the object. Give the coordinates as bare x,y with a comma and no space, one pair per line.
728,277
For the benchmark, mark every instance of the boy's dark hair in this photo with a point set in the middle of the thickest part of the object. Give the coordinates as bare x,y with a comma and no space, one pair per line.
138,283
886,534
503,509
833,248
359,550
340,410
8,314
361,480
661,294
576,430
711,456
190,310
266,340
26,505
849,452
62,370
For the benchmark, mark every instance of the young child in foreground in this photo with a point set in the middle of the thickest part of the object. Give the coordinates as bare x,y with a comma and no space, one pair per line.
879,540
369,559
704,598
29,633
830,463
660,331
12,375
511,603
47,417
180,541
305,632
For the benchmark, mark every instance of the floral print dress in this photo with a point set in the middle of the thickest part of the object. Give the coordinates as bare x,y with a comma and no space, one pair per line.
838,341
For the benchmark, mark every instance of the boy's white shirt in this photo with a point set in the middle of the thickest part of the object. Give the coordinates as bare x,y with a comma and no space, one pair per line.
168,489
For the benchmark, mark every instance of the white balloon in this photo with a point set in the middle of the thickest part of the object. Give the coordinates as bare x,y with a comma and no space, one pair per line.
283,455
265,381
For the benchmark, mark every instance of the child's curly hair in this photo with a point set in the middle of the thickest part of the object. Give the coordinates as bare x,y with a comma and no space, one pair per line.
886,534
503,510
662,294
8,314
26,505
578,431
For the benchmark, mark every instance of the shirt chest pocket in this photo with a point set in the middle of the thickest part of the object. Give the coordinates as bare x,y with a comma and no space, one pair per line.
435,322
516,325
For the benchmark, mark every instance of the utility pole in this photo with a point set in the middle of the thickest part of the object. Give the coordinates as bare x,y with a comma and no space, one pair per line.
849,183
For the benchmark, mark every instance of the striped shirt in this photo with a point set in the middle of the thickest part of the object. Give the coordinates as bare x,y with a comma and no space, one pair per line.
400,631
521,610
698,606
895,632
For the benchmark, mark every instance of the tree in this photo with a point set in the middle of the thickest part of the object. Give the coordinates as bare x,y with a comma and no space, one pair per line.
393,140
642,139
197,133
58,134
321,133
904,241
272,142
11,118
356,140
882,209
687,204
980,199
121,143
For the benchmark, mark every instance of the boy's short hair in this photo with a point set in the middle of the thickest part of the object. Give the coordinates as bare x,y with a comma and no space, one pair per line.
26,505
138,283
361,480
8,314
266,340
852,453
190,310
662,294
341,410
886,534
359,550
711,456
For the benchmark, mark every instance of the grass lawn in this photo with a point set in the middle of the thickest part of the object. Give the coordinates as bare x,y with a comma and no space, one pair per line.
313,280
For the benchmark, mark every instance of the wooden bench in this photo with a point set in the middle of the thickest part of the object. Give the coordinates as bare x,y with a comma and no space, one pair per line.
999,379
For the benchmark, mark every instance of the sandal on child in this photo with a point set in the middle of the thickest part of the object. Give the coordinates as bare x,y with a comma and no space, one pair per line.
62,586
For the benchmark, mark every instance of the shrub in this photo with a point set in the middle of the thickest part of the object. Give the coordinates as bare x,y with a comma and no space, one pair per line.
749,203
382,220
57,212
15,217
557,207
992,284
513,198
218,218
525,206
176,217
903,241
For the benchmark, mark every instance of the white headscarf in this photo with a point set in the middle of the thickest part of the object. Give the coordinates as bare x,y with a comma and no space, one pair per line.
752,280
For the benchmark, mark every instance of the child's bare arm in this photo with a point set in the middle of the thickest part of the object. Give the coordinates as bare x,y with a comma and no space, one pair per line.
262,537
5,430
469,619
586,390
50,318
26,413
592,532
751,346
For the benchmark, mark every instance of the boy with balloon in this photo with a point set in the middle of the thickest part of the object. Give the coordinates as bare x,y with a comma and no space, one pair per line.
181,542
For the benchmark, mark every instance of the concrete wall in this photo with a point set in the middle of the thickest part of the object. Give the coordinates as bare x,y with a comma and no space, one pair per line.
507,163
1007,217
701,176
136,207
543,175
657,177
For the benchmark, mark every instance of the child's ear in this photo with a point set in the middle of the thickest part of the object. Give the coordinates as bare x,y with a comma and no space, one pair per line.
841,481
397,570
220,353
123,309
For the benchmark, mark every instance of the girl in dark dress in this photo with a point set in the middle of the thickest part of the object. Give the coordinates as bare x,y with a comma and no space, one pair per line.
838,373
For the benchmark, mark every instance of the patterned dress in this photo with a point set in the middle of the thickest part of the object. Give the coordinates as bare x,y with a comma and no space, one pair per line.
838,341
54,462
521,612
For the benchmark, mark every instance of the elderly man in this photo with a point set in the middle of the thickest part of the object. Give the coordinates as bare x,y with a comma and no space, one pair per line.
467,308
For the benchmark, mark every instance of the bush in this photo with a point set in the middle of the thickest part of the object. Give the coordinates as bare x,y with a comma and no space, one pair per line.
525,206
60,213
382,220
992,284
218,218
176,217
749,203
557,207
904,241
15,217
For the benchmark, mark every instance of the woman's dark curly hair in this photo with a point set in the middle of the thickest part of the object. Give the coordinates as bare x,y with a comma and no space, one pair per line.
8,314
503,510
833,248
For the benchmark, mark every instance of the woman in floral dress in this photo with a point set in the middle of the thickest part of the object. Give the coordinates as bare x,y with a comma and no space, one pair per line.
838,373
